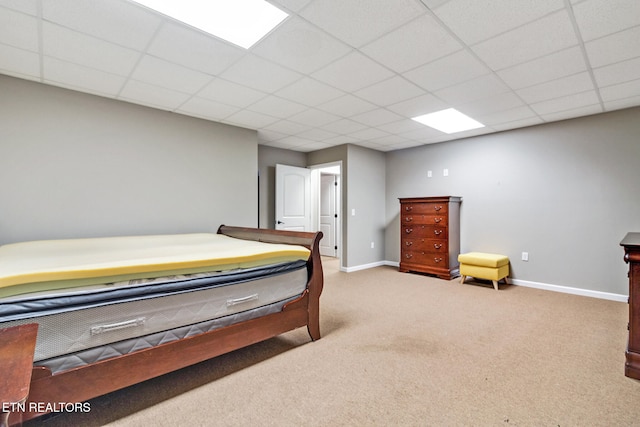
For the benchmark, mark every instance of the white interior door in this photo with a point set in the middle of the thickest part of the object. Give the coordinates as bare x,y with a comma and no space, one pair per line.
293,198
328,214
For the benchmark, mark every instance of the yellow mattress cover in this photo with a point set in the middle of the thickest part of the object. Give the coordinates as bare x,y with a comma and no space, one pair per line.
56,264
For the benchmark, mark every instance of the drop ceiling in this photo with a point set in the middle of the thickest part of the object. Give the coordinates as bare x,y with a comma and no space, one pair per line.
342,71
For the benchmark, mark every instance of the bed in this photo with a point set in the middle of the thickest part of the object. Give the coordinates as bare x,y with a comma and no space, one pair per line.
112,312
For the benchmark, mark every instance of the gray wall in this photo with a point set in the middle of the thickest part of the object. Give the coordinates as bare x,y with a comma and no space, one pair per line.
77,165
566,192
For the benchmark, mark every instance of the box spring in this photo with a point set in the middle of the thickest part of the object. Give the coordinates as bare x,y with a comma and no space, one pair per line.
71,324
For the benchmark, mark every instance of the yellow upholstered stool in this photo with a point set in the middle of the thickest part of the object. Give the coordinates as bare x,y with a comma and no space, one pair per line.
484,266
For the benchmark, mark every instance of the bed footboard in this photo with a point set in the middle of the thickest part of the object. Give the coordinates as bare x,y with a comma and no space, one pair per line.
89,381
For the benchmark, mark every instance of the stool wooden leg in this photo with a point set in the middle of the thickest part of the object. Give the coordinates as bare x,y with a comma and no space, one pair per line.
495,284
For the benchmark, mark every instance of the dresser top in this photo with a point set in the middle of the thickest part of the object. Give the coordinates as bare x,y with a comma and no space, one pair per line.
631,240
431,199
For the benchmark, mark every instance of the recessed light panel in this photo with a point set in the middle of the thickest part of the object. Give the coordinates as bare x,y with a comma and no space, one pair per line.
241,22
449,121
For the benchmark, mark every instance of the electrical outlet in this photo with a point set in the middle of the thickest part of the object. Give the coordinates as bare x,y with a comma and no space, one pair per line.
429,174
445,172
373,245
525,256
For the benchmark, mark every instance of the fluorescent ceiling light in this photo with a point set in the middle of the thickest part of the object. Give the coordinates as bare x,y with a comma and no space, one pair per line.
241,22
449,121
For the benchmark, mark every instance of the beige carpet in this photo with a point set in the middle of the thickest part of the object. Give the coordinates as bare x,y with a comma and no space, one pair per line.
406,349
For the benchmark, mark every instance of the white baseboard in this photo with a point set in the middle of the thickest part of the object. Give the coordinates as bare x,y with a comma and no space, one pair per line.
570,290
364,266
526,283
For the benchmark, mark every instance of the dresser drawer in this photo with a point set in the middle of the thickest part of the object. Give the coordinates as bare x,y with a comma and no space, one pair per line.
435,219
424,208
425,245
426,231
427,259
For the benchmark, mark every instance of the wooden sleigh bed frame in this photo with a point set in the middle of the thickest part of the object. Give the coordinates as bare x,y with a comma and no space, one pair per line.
99,378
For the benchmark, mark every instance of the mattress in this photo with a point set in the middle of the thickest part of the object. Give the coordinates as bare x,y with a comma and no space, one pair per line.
90,318
61,264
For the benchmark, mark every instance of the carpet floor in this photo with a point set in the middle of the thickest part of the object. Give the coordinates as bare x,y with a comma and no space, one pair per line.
405,349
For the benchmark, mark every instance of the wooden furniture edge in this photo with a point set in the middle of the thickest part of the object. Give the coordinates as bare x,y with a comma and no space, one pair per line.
89,381
17,347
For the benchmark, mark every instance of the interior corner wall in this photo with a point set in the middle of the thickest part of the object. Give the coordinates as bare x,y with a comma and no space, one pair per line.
268,158
565,192
78,165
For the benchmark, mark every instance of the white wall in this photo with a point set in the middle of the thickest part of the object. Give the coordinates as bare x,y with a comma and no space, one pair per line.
77,165
566,192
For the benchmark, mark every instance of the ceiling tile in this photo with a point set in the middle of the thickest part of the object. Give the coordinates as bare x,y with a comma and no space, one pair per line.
194,49
417,106
230,93
292,5
564,103
344,126
614,48
61,73
287,127
277,107
550,67
135,25
19,63
597,18
309,92
19,30
358,22
563,86
352,72
475,21
578,112
508,116
448,71
206,108
390,91
471,90
539,38
347,106
618,104
26,6
416,43
250,119
500,102
85,50
618,72
532,121
621,91
169,75
314,117
300,46
146,94
376,117
260,74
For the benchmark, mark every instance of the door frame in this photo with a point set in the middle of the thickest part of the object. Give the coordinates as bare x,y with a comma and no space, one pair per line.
316,171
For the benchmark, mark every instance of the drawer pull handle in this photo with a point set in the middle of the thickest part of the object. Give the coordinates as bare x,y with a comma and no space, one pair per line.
437,245
101,329
409,219
437,220
437,208
437,232
408,243
437,259
407,256
408,230
408,208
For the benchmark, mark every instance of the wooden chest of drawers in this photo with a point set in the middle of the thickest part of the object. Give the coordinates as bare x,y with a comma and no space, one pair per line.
430,235
631,244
